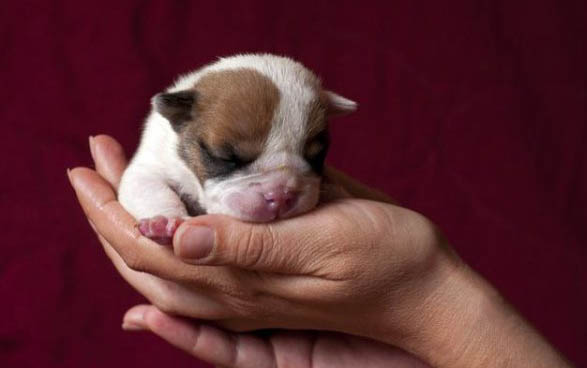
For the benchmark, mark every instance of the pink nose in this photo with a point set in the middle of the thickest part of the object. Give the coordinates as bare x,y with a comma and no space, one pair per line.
280,200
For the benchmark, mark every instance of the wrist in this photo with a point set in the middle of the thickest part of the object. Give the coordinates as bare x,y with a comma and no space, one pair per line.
456,323
432,321
464,322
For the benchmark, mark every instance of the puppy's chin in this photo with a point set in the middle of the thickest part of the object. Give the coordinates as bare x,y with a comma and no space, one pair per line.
248,203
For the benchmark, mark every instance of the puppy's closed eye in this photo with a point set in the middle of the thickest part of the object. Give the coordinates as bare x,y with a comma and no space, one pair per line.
221,162
316,149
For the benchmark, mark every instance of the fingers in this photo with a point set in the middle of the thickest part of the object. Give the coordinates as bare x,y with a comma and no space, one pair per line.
202,341
109,158
134,318
98,201
118,227
169,296
353,187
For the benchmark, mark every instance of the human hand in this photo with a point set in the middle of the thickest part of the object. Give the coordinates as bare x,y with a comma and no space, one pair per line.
236,295
324,349
406,289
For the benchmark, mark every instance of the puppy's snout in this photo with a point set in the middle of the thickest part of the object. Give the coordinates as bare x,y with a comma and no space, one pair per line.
278,195
280,200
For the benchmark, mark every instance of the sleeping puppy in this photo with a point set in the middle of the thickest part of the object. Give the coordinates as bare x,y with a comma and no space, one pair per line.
245,136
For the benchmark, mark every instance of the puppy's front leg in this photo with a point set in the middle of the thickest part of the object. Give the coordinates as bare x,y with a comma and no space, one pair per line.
153,202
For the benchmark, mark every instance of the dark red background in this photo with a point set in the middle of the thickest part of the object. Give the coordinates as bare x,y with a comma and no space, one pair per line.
472,112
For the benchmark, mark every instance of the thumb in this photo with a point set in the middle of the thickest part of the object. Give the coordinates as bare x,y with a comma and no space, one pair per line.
291,246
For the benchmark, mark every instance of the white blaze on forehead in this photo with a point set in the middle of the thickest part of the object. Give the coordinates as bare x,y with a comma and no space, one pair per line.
298,88
279,160
289,129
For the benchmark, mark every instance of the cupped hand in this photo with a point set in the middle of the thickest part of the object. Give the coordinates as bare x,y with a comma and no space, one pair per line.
354,266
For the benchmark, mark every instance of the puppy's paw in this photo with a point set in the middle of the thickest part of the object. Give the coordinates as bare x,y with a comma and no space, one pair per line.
160,229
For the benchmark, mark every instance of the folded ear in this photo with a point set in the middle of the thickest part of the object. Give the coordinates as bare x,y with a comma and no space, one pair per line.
336,105
176,107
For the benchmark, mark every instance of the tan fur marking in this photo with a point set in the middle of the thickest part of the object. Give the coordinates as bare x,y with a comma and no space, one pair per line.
233,107
237,104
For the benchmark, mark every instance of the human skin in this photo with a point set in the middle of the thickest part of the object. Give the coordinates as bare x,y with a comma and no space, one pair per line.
362,269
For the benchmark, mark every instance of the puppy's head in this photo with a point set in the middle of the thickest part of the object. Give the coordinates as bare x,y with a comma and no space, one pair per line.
253,129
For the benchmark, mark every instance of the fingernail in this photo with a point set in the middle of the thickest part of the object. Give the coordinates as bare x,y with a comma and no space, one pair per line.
134,320
91,141
195,242
129,326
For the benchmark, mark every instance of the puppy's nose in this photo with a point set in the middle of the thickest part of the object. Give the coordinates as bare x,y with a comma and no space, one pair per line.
280,200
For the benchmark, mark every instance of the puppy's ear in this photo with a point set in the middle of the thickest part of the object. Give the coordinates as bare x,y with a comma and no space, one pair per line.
336,105
176,107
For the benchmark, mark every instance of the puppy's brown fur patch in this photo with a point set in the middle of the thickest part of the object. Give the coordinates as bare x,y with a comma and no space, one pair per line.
233,108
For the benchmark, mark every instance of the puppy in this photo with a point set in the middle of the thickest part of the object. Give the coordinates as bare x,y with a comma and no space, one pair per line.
245,136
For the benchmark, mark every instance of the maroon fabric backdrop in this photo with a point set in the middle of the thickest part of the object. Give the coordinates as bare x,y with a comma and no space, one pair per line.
471,111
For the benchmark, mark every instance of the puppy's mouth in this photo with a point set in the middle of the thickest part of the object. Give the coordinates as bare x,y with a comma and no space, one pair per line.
264,207
280,202
269,196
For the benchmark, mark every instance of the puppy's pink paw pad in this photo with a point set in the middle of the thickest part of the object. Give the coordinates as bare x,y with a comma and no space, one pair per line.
159,228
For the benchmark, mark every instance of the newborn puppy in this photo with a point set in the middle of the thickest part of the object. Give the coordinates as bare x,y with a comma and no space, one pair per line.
245,136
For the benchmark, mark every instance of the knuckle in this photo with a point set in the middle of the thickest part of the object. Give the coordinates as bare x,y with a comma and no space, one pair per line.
246,302
252,247
165,305
164,298
134,261
244,308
